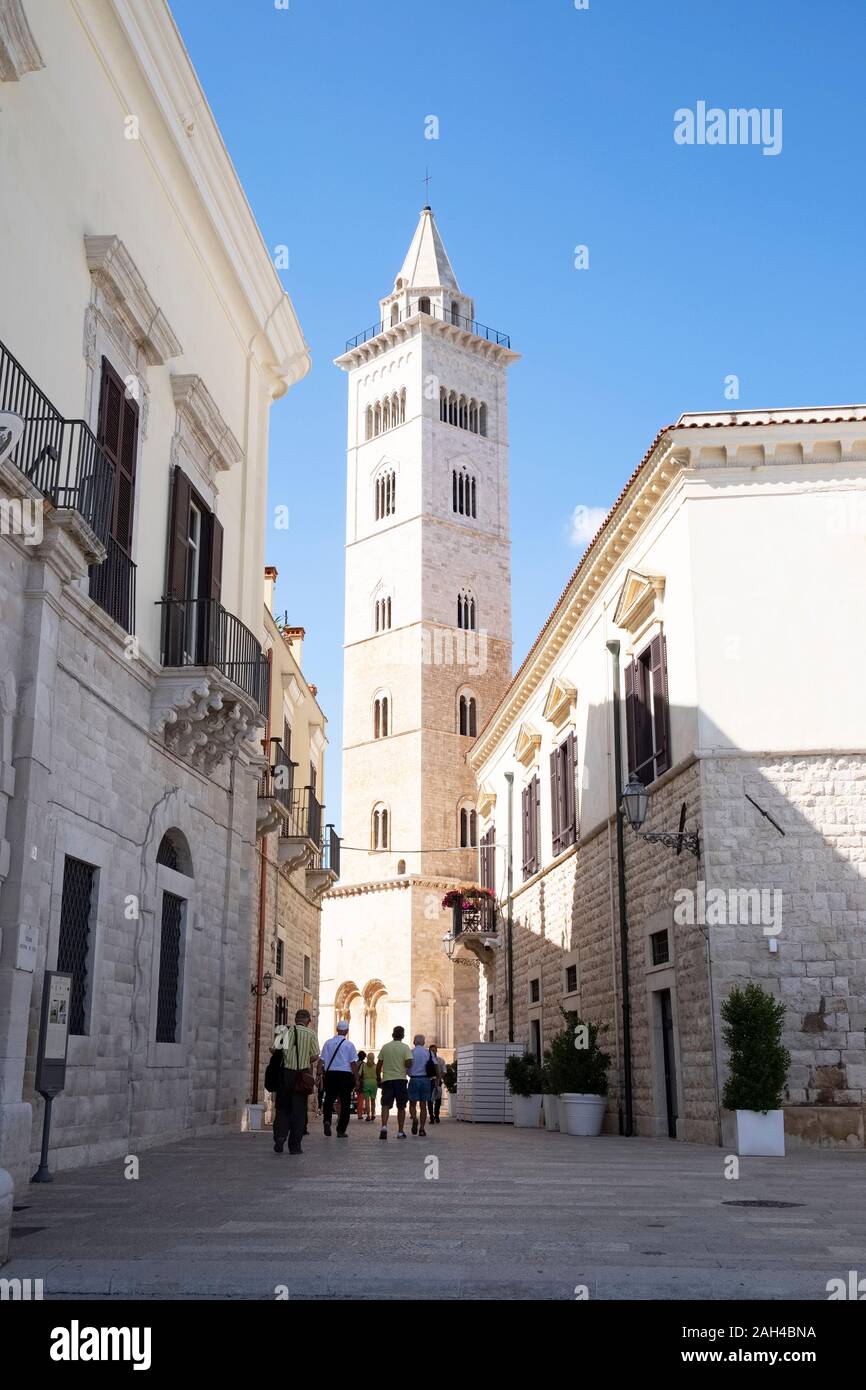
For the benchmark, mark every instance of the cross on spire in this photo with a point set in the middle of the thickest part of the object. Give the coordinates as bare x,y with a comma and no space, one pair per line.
427,178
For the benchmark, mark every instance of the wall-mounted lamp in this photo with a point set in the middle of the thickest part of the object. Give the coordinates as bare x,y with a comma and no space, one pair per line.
450,944
635,801
267,981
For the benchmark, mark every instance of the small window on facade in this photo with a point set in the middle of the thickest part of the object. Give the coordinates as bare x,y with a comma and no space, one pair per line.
571,979
73,951
308,972
381,717
534,991
455,312
281,951
281,1011
490,1003
380,828
466,616
562,797
401,866
395,314
468,716
535,1038
468,828
660,947
424,305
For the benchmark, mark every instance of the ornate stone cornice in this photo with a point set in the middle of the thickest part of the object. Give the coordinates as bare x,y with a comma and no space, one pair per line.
198,413
18,51
386,885
269,324
115,273
394,334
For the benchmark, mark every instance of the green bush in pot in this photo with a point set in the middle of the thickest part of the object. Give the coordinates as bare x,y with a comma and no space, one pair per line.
576,1070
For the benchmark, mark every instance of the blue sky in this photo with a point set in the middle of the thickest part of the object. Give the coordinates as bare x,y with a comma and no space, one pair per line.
555,130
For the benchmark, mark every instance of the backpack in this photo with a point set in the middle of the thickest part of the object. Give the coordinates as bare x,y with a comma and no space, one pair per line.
431,1068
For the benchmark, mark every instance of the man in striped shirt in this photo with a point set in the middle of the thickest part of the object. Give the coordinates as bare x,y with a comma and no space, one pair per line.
300,1048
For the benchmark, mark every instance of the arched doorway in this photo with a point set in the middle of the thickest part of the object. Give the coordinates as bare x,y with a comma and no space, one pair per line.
377,1029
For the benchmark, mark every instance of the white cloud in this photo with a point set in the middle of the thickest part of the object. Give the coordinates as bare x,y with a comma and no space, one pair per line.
584,523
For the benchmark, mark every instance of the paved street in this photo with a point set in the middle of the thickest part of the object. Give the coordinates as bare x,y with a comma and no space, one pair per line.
513,1214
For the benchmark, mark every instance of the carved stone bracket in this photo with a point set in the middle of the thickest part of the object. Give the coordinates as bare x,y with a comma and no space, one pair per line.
294,853
318,881
202,717
269,815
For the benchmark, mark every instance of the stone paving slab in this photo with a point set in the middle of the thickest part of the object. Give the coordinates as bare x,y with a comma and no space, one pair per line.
512,1214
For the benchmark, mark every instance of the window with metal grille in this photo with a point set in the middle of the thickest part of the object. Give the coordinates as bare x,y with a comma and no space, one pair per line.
534,991
168,989
660,947
281,1010
571,979
308,972
281,951
73,951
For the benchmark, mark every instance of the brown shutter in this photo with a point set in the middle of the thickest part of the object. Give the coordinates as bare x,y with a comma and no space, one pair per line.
631,717
555,799
569,825
527,853
118,435
661,713
216,560
175,568
535,788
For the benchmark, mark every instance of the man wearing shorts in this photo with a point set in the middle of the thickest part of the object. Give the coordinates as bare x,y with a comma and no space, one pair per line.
395,1059
419,1083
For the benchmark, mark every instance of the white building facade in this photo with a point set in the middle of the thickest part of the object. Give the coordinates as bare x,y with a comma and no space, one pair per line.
719,604
145,335
427,642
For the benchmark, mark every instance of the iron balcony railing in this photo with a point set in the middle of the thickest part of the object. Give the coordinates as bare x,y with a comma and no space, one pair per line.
305,816
112,585
330,858
200,632
278,780
476,916
61,457
480,330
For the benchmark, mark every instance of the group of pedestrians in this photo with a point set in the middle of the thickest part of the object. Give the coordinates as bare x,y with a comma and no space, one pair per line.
405,1075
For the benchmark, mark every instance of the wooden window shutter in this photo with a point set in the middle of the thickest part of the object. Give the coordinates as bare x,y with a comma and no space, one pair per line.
555,799
118,434
175,570
661,713
535,788
527,853
631,715
569,822
216,560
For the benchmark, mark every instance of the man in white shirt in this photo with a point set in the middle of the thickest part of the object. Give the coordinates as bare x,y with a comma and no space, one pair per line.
419,1083
338,1066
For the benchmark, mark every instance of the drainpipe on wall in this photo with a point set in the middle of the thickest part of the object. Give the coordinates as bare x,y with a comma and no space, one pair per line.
613,648
509,934
263,889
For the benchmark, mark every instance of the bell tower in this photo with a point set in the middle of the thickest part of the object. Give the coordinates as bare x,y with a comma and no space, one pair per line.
427,638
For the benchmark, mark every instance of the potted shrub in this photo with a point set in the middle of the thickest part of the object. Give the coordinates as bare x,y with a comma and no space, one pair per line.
524,1081
450,1080
753,1022
577,1071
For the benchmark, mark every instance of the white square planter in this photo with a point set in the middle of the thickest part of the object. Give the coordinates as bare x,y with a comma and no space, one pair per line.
550,1106
761,1133
527,1111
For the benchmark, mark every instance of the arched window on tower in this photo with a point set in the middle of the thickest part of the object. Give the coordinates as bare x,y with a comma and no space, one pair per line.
482,419
466,610
443,404
368,422
385,494
468,715
468,827
382,715
380,827
463,492
403,406
455,313
377,418
424,305
382,613
395,314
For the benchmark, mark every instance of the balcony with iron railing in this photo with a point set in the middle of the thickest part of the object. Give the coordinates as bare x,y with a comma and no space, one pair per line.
305,843
60,457
199,632
112,585
435,311
474,920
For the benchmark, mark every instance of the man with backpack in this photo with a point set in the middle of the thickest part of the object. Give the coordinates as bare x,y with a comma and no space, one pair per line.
290,1077
421,1073
339,1065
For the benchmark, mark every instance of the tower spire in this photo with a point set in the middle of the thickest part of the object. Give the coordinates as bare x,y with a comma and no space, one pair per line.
427,265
